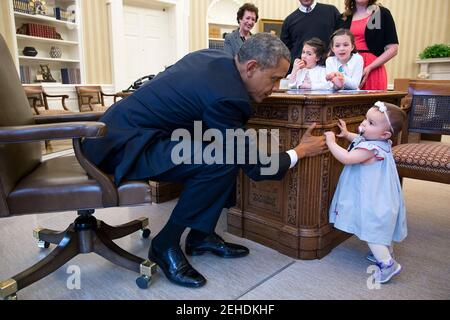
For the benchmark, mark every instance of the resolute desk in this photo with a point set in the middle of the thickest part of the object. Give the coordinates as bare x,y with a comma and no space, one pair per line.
291,215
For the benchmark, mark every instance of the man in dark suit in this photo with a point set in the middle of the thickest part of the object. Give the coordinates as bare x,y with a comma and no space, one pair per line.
214,89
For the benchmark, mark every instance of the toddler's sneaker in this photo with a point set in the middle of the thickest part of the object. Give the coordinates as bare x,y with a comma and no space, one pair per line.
371,257
387,271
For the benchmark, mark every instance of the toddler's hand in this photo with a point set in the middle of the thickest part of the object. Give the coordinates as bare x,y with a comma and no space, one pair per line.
343,126
329,137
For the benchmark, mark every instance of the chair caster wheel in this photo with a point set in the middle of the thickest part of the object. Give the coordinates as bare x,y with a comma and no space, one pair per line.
145,233
11,297
43,244
143,282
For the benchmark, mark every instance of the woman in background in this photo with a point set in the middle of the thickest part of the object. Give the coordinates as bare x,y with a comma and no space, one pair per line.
247,16
376,39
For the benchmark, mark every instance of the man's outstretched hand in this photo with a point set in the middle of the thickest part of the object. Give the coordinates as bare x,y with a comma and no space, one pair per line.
310,145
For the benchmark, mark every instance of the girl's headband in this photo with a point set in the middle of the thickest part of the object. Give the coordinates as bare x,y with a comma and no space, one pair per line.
383,109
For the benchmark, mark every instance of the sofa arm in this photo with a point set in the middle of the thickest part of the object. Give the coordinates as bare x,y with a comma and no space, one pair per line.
69,130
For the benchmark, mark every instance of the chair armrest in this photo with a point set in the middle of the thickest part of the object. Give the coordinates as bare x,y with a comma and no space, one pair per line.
110,197
115,95
62,96
57,131
56,95
68,117
108,94
123,94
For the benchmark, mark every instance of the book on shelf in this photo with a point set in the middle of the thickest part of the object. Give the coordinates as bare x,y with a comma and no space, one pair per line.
23,6
64,15
70,75
25,74
39,30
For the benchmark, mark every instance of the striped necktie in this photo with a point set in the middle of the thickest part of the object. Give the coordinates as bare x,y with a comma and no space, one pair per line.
308,9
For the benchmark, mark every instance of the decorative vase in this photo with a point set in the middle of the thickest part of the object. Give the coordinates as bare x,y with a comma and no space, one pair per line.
55,52
30,51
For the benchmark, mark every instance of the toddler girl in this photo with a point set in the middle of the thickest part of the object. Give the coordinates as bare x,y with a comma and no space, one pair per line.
345,66
368,201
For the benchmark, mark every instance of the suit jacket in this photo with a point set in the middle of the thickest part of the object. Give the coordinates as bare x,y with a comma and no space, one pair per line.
233,42
138,140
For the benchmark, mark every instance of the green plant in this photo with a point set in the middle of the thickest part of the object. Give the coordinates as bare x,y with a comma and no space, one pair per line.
435,51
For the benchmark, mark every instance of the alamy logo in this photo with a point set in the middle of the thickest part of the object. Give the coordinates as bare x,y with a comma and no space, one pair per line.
74,280
373,282
238,146
375,19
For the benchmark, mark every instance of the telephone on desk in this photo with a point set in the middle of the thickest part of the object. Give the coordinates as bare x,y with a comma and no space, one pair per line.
138,83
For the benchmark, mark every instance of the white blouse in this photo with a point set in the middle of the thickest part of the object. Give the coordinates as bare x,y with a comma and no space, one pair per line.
317,76
352,70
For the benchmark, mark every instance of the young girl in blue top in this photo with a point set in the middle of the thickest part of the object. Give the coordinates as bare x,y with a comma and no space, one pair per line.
368,201
344,66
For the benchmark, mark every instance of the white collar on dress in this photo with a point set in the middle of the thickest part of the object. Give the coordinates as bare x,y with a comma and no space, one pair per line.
304,9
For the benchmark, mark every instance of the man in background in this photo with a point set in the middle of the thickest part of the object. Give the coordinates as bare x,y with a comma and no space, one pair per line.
311,19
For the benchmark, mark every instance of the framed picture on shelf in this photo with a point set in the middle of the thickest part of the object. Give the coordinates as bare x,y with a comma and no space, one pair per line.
271,26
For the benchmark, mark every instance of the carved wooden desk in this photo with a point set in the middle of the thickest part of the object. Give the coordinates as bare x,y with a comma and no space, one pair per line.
291,215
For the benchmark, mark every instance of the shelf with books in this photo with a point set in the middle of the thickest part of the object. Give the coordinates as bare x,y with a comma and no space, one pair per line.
216,34
48,40
44,19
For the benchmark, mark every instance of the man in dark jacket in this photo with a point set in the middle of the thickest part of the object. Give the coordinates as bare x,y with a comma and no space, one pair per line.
213,90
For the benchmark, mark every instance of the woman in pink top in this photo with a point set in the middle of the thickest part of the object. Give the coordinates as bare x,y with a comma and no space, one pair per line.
376,39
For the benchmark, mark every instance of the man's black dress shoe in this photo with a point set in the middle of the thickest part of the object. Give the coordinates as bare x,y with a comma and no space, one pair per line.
216,245
176,267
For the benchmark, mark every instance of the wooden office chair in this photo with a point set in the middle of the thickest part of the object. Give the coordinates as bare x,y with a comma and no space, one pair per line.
29,185
91,98
38,100
429,113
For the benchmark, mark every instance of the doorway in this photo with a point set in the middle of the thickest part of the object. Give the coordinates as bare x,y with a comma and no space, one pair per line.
148,42
146,37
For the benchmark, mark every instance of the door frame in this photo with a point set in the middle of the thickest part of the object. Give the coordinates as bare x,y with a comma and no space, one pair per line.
180,12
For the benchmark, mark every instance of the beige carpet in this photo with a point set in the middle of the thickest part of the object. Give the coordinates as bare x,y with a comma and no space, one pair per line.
264,274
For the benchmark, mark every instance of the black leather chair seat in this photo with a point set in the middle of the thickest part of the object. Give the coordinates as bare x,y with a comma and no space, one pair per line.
61,184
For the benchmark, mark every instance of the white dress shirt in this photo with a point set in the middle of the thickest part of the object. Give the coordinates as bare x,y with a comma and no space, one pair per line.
307,9
352,70
294,158
317,76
